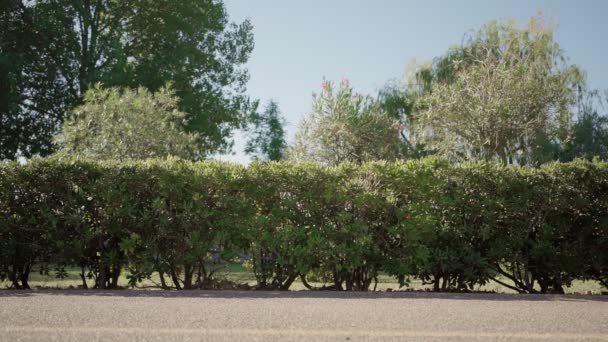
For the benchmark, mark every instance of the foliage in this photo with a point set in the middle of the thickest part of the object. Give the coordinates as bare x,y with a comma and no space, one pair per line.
346,126
589,133
400,104
129,124
501,95
31,96
289,202
455,226
54,51
268,140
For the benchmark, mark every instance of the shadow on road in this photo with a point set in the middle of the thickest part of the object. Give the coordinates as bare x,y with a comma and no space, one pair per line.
303,294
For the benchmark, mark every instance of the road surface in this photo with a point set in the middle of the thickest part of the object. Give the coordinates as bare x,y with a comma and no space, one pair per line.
76,315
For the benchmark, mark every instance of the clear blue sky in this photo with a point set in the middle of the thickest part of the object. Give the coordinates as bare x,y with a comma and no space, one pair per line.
297,43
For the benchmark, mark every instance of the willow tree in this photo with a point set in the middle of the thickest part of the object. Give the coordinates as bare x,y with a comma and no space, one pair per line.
504,97
346,127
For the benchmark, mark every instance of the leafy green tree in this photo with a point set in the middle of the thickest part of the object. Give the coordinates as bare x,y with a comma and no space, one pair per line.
71,45
129,124
506,92
589,134
346,126
268,136
9,74
27,84
10,49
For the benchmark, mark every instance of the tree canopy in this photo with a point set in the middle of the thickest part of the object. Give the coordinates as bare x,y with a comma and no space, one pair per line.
54,51
589,134
129,124
506,93
346,126
267,141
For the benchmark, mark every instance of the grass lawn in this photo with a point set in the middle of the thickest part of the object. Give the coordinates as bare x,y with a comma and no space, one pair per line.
237,273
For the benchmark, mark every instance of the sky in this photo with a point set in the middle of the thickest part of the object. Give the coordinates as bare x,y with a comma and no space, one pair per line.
298,43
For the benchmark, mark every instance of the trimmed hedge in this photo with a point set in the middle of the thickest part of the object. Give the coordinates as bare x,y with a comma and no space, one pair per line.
453,226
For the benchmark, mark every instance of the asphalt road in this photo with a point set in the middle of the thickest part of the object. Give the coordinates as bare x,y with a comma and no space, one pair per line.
298,316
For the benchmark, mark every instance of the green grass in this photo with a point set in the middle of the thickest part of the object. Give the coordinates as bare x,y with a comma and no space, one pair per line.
237,273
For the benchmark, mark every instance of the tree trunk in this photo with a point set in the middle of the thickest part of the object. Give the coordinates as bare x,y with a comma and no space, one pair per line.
337,281
83,277
349,284
557,285
24,277
287,283
114,276
188,271
101,279
163,283
175,279
436,279
12,276
445,283
461,285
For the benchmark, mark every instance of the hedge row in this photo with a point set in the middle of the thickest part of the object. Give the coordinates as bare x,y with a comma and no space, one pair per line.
453,226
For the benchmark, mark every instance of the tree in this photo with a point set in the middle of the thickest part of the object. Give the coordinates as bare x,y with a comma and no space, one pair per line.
73,44
27,84
399,104
129,124
10,49
511,91
268,139
346,126
589,134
